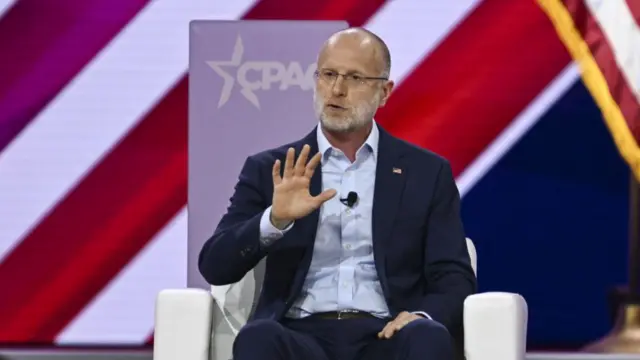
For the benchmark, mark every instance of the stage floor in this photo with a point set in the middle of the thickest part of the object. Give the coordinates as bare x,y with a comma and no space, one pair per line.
146,355
579,356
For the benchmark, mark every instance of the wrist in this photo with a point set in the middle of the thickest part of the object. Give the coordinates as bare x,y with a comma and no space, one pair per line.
279,224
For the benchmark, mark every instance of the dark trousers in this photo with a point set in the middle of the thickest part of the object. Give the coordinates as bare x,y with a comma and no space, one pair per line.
345,339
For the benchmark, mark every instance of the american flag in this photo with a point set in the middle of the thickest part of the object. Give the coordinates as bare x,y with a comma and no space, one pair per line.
93,135
604,38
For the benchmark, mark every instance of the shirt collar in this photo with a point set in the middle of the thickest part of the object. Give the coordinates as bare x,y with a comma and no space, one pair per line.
371,143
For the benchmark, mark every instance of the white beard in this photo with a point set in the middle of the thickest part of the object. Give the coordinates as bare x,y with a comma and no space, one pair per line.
359,117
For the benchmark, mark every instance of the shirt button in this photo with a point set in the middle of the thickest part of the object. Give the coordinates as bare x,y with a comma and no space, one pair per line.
347,211
348,246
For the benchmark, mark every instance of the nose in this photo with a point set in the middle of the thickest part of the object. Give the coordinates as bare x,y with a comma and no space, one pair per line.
339,88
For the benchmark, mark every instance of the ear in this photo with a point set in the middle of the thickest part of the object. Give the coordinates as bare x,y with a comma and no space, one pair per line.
386,92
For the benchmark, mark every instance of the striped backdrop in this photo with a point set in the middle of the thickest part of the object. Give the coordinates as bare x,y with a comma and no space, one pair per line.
93,135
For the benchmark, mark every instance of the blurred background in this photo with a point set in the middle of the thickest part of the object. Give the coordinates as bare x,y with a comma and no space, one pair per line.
93,139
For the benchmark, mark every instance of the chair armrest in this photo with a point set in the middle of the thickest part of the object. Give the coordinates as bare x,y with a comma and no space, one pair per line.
495,326
183,324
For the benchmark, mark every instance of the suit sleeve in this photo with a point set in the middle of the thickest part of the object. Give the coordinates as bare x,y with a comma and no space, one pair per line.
450,277
235,246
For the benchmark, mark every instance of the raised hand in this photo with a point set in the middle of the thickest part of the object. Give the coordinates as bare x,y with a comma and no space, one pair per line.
291,197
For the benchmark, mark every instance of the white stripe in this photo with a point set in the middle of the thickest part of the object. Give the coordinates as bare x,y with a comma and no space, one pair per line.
123,313
97,108
517,129
396,22
5,5
622,31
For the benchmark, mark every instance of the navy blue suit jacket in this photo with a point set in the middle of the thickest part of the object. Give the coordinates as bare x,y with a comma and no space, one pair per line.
419,242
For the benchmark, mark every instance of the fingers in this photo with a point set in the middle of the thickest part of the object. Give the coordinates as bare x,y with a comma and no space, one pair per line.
395,325
300,166
275,173
402,320
312,165
288,163
299,169
387,331
325,196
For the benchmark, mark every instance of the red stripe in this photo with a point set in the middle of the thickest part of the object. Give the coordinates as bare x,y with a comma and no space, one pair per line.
602,52
634,7
49,42
476,81
96,230
356,12
284,10
111,215
359,15
335,8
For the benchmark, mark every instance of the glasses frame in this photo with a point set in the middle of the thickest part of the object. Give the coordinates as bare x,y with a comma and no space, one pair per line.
362,80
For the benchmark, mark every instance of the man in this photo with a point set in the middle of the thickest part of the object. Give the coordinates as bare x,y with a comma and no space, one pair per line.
366,255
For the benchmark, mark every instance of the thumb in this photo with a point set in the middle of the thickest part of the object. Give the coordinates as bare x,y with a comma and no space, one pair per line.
325,195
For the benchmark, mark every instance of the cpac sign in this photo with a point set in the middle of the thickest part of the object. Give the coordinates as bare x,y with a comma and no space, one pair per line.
255,76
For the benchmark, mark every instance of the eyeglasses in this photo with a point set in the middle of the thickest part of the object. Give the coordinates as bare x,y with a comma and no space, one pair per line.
351,80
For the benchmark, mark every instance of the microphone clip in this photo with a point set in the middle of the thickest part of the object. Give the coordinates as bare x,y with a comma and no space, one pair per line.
351,199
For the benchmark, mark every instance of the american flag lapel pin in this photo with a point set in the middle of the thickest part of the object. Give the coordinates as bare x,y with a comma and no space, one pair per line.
397,170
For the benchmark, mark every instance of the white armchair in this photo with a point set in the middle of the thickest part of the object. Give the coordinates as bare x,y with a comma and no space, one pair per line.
194,324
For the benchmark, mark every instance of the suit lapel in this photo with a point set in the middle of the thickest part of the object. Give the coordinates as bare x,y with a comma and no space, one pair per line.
389,186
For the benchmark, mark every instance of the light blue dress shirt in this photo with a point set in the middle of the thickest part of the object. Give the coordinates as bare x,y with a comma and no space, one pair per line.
342,275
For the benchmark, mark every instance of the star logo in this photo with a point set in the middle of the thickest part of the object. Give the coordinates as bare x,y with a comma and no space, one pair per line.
257,76
229,81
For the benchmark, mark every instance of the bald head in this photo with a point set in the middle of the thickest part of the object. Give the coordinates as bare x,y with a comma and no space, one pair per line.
352,80
370,44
